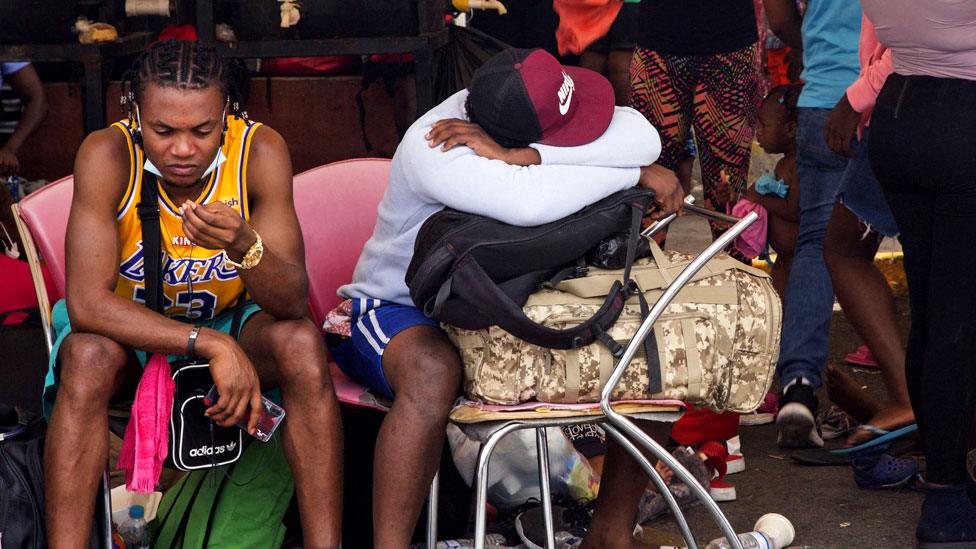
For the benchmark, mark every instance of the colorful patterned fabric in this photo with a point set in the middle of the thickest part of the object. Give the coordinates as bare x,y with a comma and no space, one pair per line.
717,95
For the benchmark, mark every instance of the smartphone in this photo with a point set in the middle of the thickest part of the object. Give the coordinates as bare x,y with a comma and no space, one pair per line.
270,418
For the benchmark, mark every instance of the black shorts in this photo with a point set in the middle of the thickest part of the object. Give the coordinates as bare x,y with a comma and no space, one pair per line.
623,31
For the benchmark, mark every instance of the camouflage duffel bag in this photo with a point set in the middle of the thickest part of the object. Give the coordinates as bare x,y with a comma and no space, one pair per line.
717,342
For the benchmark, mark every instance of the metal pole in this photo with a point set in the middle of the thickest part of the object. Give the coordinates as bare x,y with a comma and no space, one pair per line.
627,426
481,482
432,511
542,448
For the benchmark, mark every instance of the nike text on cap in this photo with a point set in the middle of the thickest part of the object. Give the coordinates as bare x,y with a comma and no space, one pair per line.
525,95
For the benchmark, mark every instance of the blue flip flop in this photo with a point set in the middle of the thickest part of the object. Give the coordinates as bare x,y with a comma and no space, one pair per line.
883,437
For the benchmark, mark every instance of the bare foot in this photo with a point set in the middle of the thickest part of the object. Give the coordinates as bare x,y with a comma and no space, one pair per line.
888,418
844,391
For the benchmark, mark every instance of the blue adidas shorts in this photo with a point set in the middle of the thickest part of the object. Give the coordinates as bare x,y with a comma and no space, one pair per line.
374,323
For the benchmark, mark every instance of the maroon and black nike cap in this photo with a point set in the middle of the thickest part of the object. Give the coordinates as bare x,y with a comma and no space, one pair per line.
526,95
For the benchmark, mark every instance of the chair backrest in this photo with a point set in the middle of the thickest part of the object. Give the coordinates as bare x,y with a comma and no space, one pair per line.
45,214
336,206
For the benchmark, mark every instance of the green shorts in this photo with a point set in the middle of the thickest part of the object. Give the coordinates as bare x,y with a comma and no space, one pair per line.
62,327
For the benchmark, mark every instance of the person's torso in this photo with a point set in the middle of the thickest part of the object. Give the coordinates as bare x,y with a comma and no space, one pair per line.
831,31
382,266
197,283
927,37
697,27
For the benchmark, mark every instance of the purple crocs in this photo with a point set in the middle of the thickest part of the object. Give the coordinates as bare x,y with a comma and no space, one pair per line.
883,471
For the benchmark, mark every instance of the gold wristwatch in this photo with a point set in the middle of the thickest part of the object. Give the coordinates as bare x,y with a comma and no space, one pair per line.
252,257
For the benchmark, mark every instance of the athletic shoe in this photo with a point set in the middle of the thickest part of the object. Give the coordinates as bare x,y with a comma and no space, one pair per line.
835,423
716,459
796,423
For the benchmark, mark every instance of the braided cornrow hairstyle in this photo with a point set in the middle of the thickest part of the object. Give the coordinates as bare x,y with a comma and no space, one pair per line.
185,65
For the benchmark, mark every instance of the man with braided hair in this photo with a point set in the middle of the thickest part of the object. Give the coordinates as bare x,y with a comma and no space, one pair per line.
228,229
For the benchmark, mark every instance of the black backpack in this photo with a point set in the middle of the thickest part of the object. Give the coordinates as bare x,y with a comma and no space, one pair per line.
473,272
22,483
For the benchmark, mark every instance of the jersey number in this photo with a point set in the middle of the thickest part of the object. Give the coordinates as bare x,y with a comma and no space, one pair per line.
196,305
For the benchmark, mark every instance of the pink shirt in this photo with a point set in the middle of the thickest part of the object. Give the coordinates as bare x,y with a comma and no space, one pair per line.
875,68
927,37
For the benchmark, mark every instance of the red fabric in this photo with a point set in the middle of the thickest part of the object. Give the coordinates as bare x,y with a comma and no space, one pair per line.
18,289
582,22
777,66
310,66
172,32
699,426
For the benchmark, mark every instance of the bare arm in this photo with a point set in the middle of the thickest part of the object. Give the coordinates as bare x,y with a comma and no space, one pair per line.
28,86
785,21
278,283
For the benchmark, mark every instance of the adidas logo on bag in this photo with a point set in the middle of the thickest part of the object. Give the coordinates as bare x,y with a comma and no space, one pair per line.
213,450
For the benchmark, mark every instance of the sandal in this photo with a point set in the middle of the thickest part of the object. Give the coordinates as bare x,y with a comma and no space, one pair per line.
882,471
883,437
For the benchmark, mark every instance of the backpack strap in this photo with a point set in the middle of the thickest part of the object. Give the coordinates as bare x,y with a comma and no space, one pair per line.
148,210
484,292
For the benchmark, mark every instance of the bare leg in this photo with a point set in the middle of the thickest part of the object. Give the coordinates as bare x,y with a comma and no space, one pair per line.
846,392
595,61
613,523
290,355
93,368
782,238
424,370
869,304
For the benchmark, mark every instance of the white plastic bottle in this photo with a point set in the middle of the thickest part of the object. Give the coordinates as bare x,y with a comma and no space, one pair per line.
772,531
135,531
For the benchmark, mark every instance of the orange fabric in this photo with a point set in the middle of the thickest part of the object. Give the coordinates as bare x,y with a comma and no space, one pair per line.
776,67
582,22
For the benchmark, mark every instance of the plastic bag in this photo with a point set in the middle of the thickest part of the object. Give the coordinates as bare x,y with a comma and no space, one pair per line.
513,475
611,253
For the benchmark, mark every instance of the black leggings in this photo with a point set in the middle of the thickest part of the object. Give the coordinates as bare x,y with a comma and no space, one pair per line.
923,151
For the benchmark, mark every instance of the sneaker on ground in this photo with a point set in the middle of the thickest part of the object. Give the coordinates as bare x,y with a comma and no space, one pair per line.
861,357
796,423
835,423
569,525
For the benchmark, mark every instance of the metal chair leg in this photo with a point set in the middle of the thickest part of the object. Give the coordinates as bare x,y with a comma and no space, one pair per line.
659,483
106,533
481,482
542,448
432,511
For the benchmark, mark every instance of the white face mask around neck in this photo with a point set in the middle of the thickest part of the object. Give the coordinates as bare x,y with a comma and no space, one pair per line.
217,161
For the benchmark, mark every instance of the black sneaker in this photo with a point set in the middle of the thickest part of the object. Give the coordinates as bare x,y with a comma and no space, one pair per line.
796,423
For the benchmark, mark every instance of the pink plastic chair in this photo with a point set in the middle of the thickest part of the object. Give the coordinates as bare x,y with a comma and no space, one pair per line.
42,219
336,206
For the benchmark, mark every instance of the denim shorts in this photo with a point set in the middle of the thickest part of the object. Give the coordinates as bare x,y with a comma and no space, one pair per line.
861,193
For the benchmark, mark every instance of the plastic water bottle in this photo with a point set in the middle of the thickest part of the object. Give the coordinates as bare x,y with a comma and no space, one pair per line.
772,531
13,187
134,530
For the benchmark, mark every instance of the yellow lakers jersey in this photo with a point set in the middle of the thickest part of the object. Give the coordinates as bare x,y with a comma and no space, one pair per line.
197,283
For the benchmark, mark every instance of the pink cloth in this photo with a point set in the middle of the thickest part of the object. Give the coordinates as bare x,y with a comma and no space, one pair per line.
875,68
146,441
752,242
